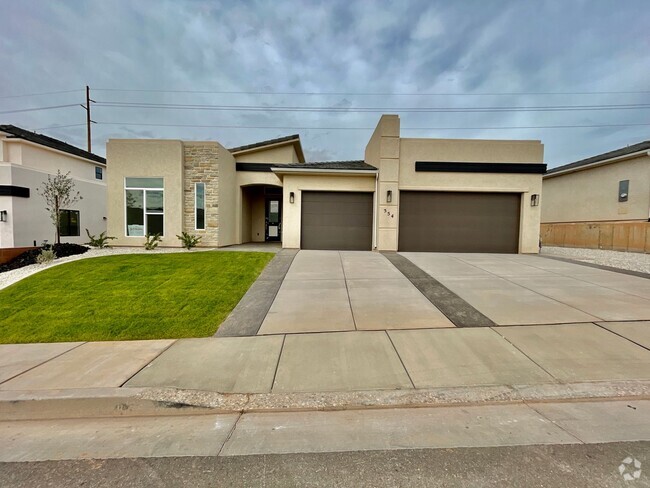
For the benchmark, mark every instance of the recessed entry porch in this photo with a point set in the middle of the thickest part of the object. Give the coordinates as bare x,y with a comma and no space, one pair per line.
261,213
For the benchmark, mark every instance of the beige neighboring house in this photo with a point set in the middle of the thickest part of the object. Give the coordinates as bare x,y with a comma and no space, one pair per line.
408,194
602,202
26,160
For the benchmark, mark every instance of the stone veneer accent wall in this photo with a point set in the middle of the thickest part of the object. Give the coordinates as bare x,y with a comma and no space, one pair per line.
201,165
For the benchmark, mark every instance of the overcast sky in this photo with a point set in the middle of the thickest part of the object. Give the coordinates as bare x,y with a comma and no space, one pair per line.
342,46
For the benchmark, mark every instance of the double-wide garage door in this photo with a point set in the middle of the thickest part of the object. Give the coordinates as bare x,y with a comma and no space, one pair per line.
336,220
459,222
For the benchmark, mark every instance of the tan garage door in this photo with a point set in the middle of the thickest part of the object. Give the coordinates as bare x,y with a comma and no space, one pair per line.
459,222
336,220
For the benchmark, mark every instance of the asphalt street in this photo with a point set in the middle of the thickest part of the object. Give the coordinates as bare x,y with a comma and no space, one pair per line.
593,465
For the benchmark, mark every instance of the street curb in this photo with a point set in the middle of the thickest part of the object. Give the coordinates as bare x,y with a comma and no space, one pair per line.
134,402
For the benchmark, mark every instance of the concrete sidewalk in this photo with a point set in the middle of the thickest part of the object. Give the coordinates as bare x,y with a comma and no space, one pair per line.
395,360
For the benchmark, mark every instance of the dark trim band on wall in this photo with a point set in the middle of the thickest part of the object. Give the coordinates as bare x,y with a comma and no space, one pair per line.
521,168
259,167
14,191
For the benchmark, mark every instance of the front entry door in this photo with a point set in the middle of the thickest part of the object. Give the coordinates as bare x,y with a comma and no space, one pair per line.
273,219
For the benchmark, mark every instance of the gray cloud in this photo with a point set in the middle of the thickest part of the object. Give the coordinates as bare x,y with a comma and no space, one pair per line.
337,46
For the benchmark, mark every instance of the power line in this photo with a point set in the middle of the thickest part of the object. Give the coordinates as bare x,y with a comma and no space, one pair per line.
58,127
371,128
278,108
447,94
39,108
42,93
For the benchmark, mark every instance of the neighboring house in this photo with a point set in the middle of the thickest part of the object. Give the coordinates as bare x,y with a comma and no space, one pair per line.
602,202
407,194
26,160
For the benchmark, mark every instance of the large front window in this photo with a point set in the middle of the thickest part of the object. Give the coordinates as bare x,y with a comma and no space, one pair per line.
144,206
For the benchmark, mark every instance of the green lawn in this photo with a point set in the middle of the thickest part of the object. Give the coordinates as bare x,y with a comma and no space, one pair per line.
137,296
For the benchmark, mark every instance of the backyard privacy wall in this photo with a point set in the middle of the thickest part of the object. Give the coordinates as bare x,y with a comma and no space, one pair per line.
617,236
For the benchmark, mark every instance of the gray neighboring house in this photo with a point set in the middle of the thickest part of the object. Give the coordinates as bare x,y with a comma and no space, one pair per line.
26,160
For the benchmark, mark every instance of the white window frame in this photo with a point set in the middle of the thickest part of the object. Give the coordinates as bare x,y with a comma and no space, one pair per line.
101,173
144,204
196,207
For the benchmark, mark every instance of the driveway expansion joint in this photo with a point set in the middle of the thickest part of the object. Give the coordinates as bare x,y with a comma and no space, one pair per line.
457,310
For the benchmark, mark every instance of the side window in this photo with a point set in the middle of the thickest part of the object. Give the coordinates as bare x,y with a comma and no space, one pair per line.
69,223
99,173
199,190
623,190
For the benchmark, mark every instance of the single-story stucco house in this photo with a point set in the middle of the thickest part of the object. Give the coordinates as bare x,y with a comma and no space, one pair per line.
407,194
26,160
602,202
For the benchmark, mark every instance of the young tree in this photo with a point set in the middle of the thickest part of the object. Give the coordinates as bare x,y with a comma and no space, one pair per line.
59,193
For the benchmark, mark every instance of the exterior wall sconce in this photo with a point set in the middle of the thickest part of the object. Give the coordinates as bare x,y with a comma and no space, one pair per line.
534,200
292,197
389,196
3,215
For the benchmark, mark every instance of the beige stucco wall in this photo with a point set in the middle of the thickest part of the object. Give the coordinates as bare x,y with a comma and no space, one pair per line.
395,157
591,195
323,182
483,151
277,154
228,198
383,152
145,158
28,165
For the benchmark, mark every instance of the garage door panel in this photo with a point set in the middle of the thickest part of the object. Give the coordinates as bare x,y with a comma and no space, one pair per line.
459,222
336,220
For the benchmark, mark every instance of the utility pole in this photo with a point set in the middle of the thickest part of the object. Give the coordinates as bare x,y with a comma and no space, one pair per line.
88,120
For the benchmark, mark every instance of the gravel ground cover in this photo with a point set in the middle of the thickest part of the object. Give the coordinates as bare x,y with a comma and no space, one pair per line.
624,260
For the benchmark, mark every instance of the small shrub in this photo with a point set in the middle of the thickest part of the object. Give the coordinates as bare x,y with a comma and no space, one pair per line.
100,242
189,241
46,256
151,242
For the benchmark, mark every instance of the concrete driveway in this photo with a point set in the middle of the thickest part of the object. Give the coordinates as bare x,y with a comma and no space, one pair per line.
327,291
526,289
340,290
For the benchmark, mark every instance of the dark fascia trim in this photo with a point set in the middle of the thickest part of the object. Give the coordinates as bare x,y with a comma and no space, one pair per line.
522,168
259,167
14,191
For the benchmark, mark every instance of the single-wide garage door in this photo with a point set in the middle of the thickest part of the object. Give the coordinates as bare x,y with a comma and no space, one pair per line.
459,222
336,220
